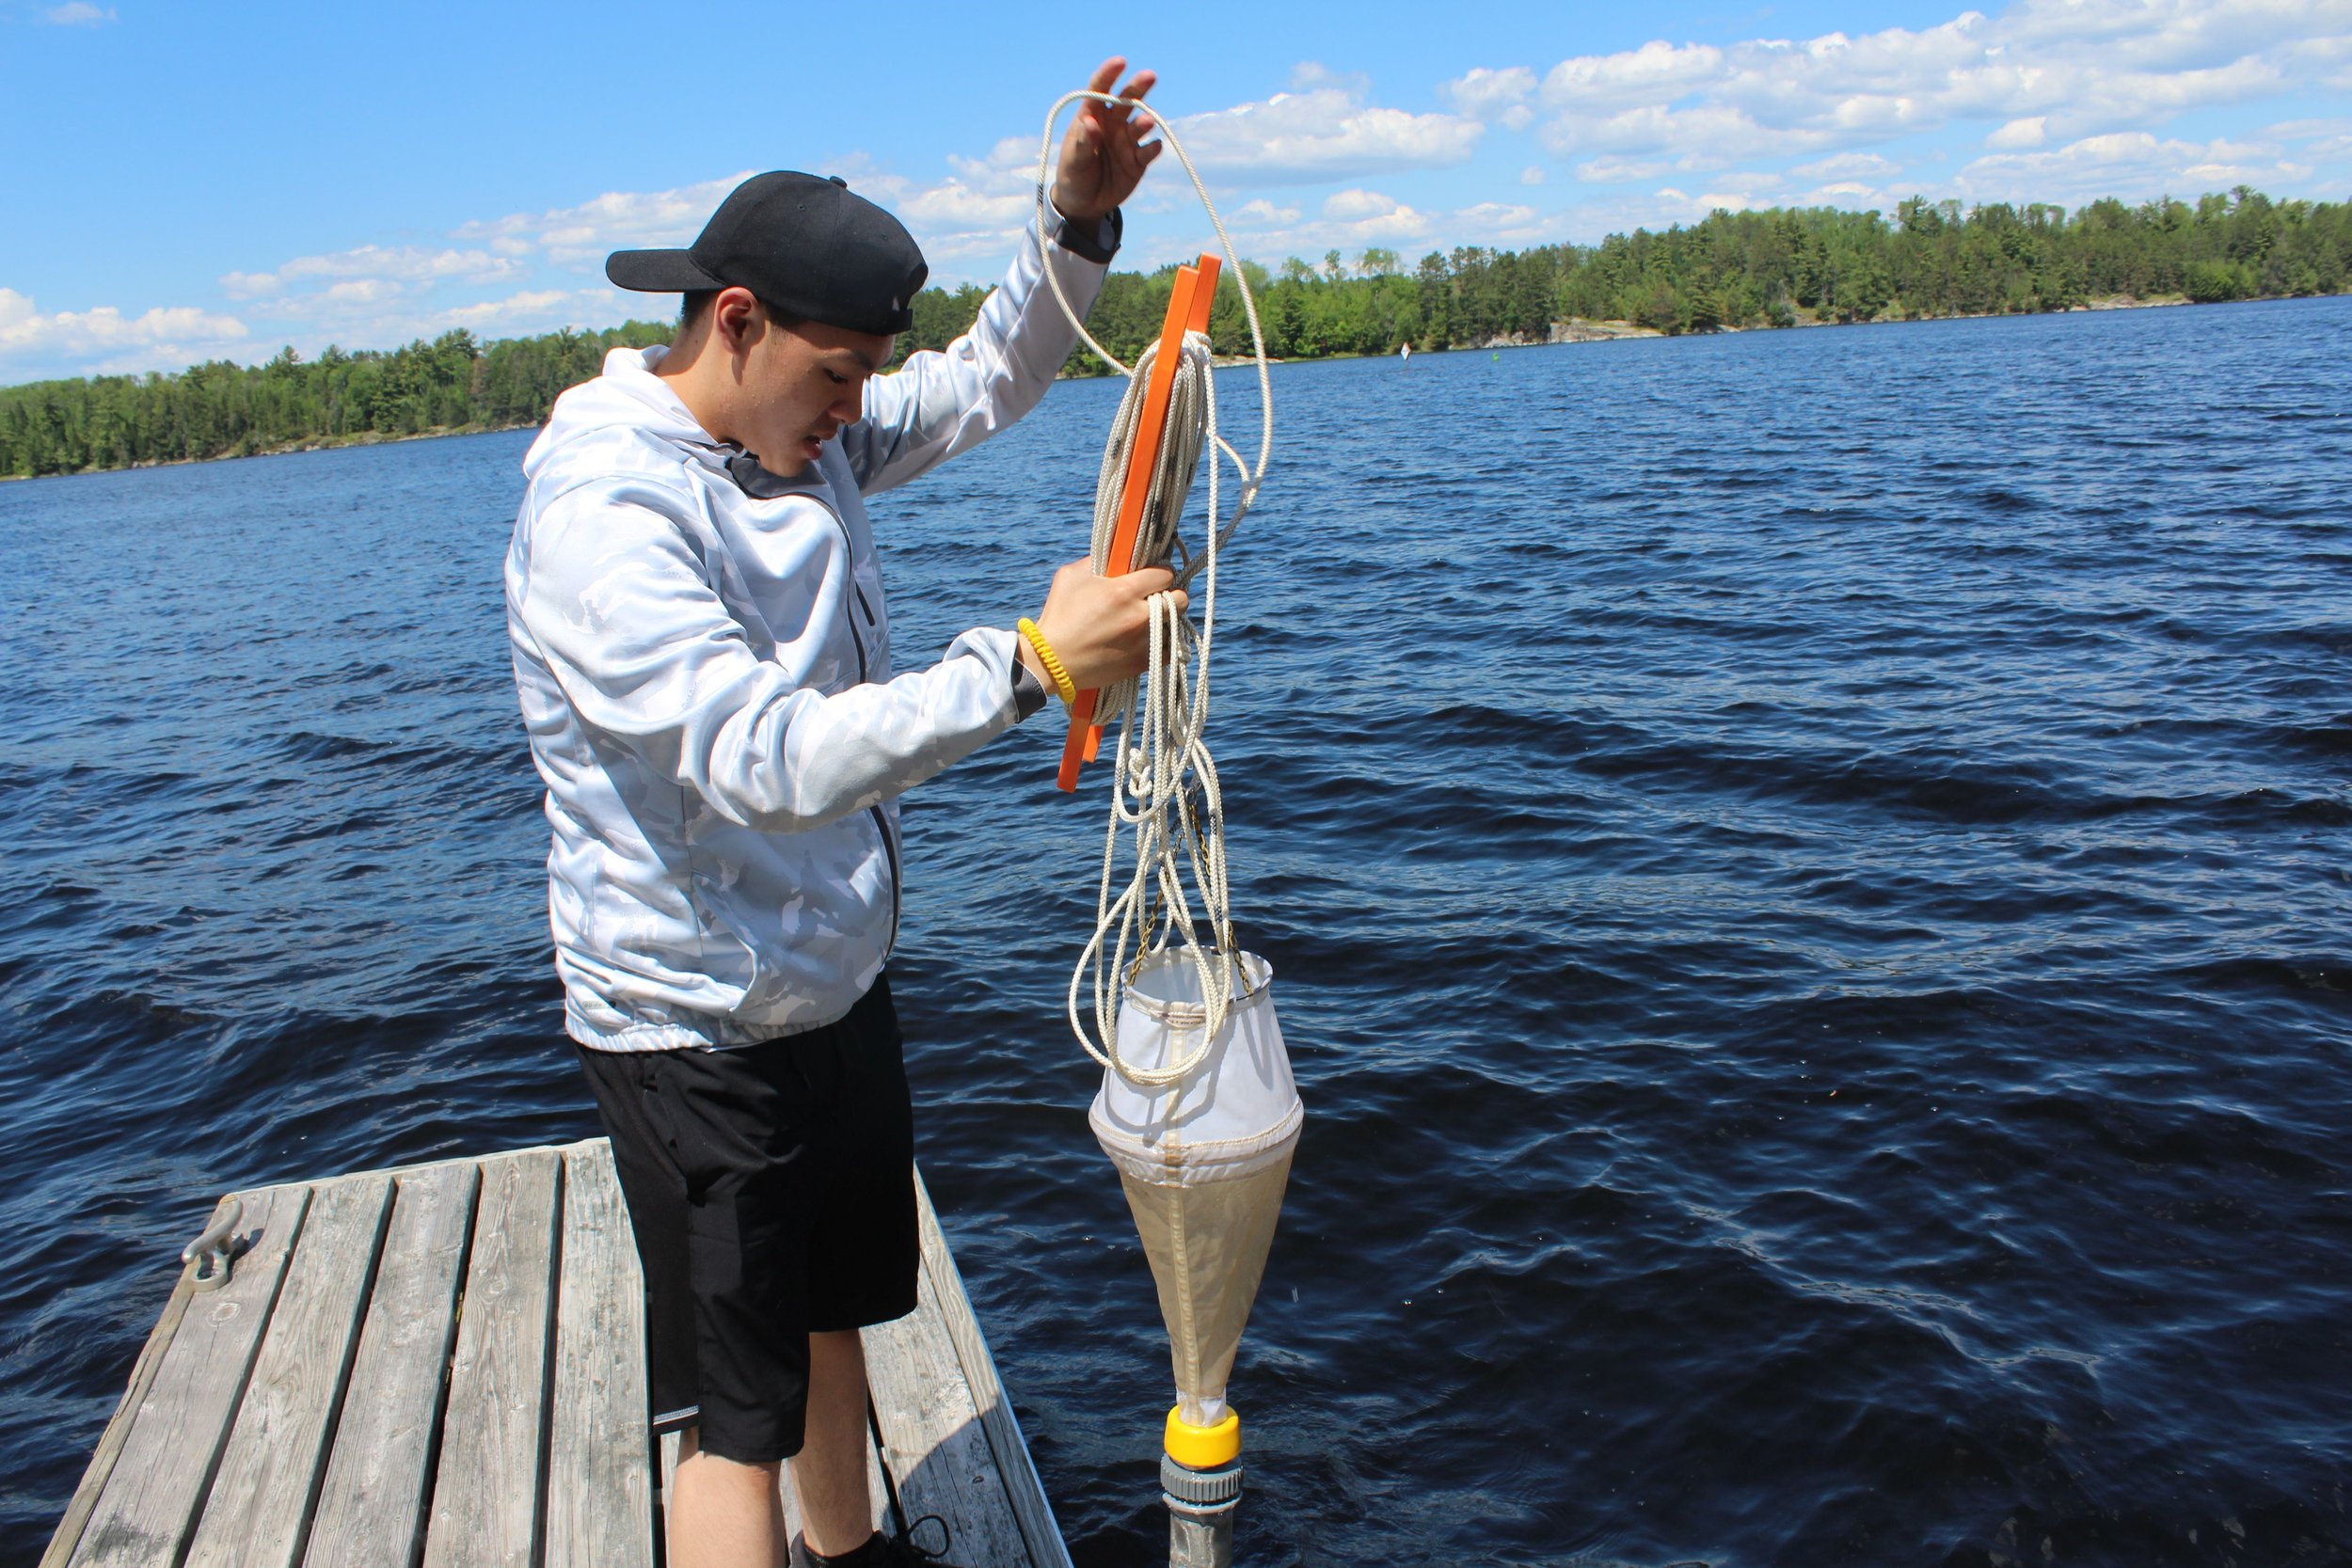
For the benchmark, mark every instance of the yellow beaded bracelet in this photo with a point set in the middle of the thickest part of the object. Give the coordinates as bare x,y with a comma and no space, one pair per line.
1051,660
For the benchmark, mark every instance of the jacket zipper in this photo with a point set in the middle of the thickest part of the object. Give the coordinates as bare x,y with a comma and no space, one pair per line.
882,822
882,826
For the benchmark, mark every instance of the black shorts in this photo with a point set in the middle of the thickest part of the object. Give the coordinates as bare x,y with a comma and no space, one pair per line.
772,1190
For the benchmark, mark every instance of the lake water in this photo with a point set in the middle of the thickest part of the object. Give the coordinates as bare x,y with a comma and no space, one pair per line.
1806,872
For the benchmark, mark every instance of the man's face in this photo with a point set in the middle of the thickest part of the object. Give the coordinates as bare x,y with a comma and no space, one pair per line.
801,384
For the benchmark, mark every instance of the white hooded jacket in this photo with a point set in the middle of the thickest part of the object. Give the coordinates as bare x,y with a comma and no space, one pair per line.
703,654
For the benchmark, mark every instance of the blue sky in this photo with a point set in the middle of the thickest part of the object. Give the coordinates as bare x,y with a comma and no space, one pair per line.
196,181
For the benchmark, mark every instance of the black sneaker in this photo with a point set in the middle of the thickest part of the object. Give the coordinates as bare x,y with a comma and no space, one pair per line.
902,1550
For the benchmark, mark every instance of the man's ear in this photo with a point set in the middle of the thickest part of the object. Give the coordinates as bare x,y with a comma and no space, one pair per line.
737,319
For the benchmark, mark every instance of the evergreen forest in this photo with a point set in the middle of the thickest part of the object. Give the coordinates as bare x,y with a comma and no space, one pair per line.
1781,267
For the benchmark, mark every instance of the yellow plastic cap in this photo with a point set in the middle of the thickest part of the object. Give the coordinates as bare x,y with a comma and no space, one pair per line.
1203,1448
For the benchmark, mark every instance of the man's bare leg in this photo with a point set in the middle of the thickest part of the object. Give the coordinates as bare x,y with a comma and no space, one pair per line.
725,1514
828,1472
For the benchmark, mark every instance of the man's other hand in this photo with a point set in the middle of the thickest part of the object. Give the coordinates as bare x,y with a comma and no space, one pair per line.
1103,153
1100,627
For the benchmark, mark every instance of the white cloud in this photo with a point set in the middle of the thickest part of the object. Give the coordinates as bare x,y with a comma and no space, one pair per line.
1623,214
1496,95
2310,129
2042,70
78,13
1702,128
535,308
580,236
1354,204
1749,181
1260,213
1012,159
1851,195
402,263
361,291
171,335
2175,34
978,213
1503,222
1619,213
1362,216
377,295
1656,72
1725,201
1355,220
952,205
1847,165
409,264
2123,162
1324,130
1531,175
1611,170
869,178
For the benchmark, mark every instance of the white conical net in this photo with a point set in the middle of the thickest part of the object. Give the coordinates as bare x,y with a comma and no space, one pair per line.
1203,1159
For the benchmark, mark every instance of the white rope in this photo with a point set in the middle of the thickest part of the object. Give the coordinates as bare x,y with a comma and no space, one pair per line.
1164,786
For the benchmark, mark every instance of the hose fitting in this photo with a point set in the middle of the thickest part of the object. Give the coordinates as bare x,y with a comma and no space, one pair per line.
1203,1448
1203,1490
1200,1505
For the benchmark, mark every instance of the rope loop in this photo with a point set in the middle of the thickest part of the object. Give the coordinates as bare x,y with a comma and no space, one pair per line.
1166,804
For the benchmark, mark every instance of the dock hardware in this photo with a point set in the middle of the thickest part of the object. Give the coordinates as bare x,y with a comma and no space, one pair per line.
215,1250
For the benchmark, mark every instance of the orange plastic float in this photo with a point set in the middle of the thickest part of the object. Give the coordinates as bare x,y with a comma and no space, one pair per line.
1187,312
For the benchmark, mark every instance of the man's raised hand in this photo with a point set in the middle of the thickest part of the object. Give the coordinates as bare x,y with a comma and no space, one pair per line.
1103,153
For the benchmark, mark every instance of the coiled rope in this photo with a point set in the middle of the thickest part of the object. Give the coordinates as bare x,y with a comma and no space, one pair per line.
1164,786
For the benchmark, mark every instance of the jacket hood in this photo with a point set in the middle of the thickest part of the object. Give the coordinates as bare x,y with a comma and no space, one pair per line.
625,394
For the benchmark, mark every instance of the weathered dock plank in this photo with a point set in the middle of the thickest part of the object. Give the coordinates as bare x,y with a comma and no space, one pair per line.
1024,1490
932,1438
487,1489
101,1462
372,1505
259,1514
600,1457
159,1482
444,1366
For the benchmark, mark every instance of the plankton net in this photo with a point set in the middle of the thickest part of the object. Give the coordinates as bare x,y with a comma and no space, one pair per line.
1198,1110
1204,1157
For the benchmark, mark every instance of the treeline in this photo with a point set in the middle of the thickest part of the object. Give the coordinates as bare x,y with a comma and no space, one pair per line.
228,411
1774,268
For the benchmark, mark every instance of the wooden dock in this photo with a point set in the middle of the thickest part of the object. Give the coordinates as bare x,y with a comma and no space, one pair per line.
445,1365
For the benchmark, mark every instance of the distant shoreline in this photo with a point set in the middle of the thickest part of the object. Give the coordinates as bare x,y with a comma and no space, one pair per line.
1573,330
1577,330
288,448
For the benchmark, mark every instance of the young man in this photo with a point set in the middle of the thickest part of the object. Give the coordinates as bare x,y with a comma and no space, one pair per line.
703,654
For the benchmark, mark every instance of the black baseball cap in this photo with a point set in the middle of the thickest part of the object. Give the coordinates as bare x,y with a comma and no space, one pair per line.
803,244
